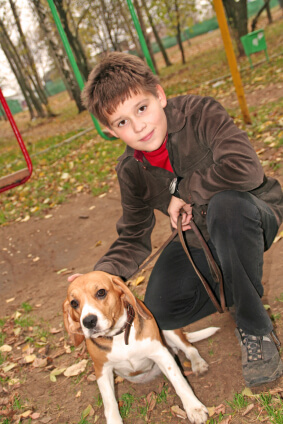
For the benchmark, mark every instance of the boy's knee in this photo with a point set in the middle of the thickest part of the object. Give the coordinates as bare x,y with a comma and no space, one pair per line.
228,210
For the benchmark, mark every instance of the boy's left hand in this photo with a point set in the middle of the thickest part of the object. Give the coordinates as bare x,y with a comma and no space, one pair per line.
179,206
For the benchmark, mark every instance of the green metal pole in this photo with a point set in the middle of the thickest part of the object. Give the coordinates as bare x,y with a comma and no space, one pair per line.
140,35
73,62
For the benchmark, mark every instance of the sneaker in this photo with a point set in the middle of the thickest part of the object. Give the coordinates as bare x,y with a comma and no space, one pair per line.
260,358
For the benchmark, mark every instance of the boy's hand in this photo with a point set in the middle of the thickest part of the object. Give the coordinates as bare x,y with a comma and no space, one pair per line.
177,207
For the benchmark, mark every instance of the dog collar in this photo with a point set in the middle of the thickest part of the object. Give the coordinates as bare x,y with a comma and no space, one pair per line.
127,326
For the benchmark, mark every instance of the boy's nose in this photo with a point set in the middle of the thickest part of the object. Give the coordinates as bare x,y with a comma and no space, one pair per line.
138,126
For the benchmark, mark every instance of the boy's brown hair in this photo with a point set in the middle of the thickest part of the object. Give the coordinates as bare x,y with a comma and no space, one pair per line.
114,80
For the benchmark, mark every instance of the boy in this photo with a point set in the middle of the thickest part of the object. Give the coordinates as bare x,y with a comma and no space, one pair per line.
185,155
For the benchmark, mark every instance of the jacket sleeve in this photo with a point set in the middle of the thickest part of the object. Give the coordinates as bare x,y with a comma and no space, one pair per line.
134,229
235,165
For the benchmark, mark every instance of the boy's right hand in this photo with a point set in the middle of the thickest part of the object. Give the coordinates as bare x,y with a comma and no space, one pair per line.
179,206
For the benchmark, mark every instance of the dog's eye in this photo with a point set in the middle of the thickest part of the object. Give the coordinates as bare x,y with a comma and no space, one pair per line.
101,294
74,304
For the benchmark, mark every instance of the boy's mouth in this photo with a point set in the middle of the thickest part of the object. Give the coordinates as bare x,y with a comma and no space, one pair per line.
148,136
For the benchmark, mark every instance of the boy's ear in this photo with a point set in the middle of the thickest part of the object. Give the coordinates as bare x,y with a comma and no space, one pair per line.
161,95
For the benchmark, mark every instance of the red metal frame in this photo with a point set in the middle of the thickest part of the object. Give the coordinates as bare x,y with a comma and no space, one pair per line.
21,144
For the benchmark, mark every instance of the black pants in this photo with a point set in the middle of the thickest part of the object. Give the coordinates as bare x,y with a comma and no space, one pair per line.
241,228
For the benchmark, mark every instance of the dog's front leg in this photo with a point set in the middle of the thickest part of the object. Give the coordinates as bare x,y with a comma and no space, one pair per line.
106,387
196,411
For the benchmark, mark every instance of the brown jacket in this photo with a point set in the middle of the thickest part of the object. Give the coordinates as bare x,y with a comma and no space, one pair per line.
210,153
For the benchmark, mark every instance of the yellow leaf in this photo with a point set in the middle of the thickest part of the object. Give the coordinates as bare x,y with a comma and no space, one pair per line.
88,411
138,281
26,414
178,412
56,372
9,367
29,359
5,348
211,411
247,392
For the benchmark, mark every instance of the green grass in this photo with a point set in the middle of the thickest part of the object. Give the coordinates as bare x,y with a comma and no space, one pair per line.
127,401
273,405
239,402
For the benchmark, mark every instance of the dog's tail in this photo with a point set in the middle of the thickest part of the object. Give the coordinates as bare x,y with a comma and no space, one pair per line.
201,334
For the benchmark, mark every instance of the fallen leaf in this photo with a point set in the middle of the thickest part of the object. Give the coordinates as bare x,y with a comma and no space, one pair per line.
178,412
35,416
91,377
5,348
88,412
119,380
247,392
79,393
279,237
26,414
76,369
187,364
248,409
61,270
55,330
40,362
138,281
9,367
28,359
56,372
211,411
10,300
36,259
220,409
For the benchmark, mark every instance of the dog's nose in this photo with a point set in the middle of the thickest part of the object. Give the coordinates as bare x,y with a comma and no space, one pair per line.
90,321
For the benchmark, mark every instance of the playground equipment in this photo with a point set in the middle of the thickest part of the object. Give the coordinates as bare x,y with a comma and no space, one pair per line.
254,42
21,176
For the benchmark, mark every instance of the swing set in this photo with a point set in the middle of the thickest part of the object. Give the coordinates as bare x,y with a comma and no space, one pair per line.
23,175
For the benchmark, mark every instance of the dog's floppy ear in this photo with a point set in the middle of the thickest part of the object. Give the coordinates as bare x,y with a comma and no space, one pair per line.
72,324
137,305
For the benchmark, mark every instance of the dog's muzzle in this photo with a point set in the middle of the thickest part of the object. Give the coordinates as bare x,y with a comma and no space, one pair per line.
90,321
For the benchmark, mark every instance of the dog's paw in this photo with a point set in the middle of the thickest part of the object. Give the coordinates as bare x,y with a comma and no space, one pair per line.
198,414
199,366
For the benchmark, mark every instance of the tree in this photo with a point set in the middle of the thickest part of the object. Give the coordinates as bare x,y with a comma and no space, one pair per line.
143,28
30,66
156,35
18,69
265,6
176,15
73,39
57,51
237,14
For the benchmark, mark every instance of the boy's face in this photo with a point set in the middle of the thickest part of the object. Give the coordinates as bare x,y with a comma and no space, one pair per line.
141,121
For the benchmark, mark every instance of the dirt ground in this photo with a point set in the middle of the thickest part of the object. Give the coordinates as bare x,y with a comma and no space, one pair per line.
73,238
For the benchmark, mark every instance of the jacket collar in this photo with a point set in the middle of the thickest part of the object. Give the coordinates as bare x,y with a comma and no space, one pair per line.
176,119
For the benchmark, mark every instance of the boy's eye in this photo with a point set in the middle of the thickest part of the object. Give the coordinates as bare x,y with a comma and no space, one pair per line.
142,108
122,123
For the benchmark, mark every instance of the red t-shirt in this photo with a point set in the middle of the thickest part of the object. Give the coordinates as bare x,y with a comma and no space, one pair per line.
158,157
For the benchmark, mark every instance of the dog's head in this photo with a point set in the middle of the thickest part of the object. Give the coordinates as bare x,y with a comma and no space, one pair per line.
95,306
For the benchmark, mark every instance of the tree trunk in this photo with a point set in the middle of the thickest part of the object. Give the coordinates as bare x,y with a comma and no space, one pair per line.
108,27
74,41
255,19
156,35
143,28
58,53
130,30
237,14
33,75
19,67
179,39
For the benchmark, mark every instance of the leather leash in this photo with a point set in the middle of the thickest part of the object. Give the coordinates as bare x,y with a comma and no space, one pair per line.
214,269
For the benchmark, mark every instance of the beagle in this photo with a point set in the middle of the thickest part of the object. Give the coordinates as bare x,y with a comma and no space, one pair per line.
122,337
